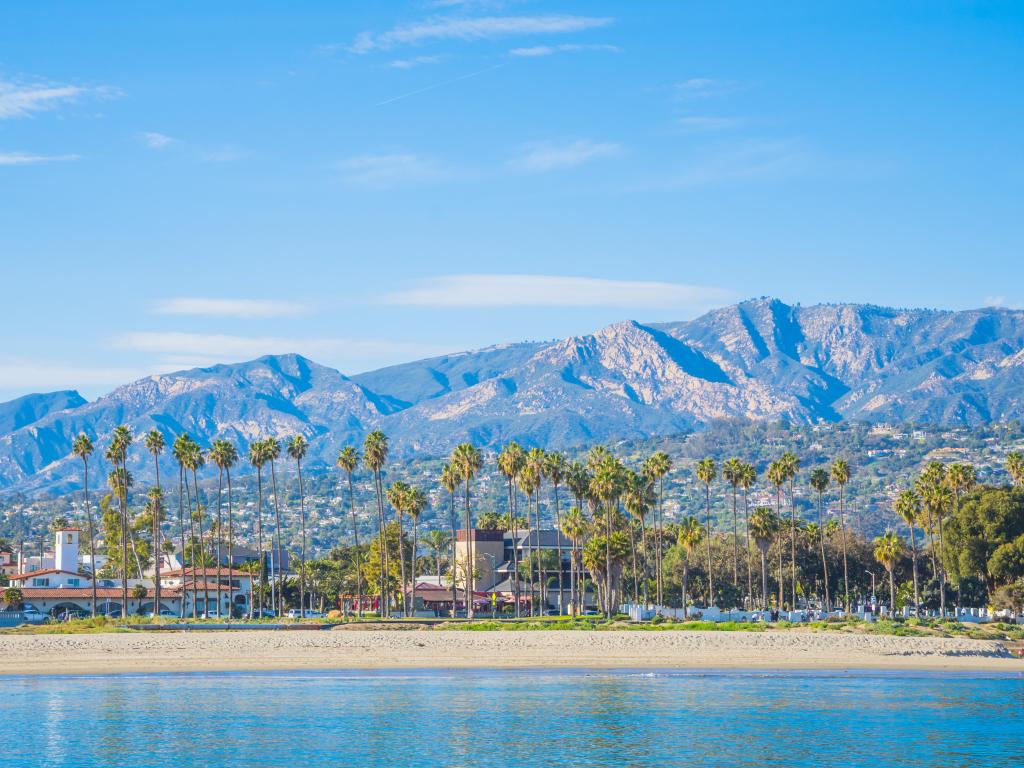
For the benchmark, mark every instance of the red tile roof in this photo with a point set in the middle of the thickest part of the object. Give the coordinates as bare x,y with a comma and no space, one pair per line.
45,572
225,571
85,593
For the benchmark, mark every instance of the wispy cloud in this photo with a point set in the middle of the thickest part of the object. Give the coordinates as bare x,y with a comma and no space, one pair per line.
703,87
548,156
25,158
471,29
556,291
392,170
432,86
411,63
21,376
155,140
744,161
239,308
203,348
707,123
24,100
547,50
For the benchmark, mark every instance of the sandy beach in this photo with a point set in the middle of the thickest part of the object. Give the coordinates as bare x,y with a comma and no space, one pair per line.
373,649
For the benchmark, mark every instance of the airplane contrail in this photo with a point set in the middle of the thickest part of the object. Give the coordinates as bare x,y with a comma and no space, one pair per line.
438,85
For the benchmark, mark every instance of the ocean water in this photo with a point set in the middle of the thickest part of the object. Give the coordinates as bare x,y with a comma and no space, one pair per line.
514,718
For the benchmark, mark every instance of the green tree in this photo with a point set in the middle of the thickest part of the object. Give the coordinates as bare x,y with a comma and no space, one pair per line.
297,448
375,456
689,538
348,462
82,447
706,473
155,445
889,548
841,475
14,598
819,482
468,461
656,467
908,507
764,524
732,473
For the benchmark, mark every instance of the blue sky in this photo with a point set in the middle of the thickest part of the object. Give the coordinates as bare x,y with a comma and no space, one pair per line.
368,183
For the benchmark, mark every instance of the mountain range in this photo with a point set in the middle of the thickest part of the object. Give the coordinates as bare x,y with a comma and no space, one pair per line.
759,359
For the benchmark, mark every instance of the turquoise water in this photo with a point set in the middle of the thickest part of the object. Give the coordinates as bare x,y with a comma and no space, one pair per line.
517,718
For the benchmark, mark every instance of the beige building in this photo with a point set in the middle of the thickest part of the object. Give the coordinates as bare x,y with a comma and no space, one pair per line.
488,555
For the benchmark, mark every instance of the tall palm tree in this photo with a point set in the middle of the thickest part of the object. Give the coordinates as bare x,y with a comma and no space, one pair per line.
961,479
763,526
535,459
82,447
606,487
657,466
225,456
777,476
529,483
437,542
297,448
375,455
791,464
258,458
574,526
273,448
117,454
180,449
908,507
638,498
511,461
398,497
578,481
556,466
450,482
706,473
937,497
748,476
467,461
218,450
819,482
415,503
841,475
196,461
732,473
155,444
689,540
889,548
348,461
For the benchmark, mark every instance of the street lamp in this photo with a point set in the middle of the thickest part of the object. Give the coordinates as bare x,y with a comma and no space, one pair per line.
873,599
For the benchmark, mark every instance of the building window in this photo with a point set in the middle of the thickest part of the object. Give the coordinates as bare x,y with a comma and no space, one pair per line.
73,582
40,582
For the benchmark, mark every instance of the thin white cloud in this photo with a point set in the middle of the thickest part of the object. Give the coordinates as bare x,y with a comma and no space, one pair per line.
392,170
556,291
239,308
177,348
744,161
155,140
536,51
25,100
548,156
707,123
25,158
703,87
411,63
471,29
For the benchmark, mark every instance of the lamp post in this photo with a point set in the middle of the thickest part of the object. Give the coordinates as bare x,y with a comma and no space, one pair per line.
873,599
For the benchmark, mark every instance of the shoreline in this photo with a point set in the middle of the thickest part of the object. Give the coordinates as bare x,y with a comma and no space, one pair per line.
268,650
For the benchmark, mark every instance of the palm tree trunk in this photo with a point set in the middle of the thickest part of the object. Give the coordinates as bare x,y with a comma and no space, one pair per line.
686,585
764,577
513,506
92,535
792,545
892,595
382,541
302,554
202,546
470,559
643,547
220,508
659,524
824,560
355,538
278,550
412,603
231,560
156,541
181,532
608,558
735,542
192,539
632,551
558,540
259,540
711,577
913,552
846,570
401,561
453,566
746,531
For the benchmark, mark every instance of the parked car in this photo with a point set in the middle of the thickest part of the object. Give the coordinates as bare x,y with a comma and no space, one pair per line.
296,613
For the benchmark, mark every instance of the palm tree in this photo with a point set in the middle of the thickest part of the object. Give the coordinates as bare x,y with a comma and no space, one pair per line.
763,526
706,473
889,548
529,483
639,500
574,526
117,454
155,444
82,447
180,450
841,476
656,467
375,455
467,461
606,487
732,473
908,507
819,482
555,468
535,459
690,534
450,482
297,448
348,461
790,465
578,480
273,449
961,479
748,476
415,503
258,458
196,460
225,456
437,542
1015,467
398,495
937,496
777,476
511,461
